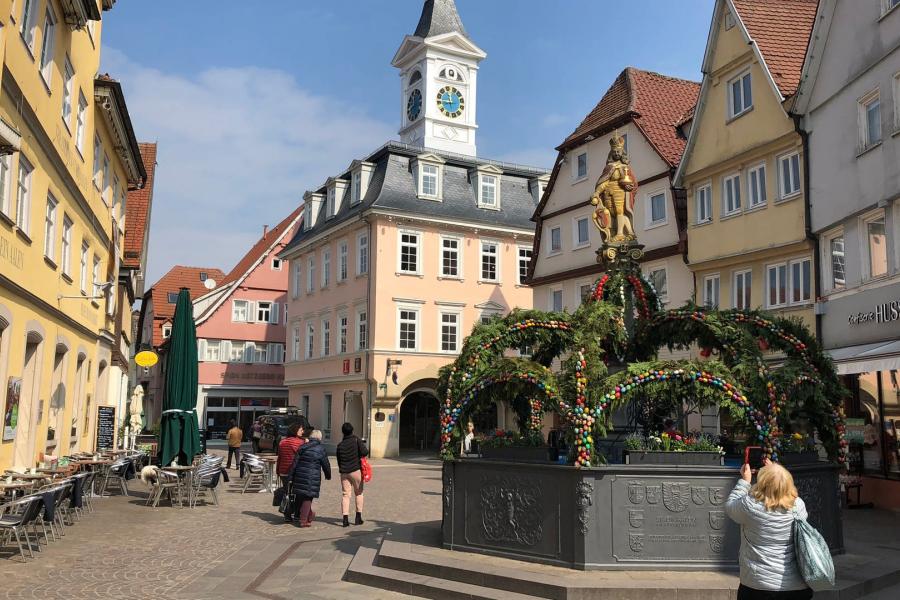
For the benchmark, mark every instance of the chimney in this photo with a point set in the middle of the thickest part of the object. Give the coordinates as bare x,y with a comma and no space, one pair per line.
265,231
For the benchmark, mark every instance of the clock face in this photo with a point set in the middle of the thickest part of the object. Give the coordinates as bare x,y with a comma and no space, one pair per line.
450,101
414,105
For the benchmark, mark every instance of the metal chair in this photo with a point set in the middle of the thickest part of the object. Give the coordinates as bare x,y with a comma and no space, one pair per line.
116,474
255,472
205,481
16,516
165,482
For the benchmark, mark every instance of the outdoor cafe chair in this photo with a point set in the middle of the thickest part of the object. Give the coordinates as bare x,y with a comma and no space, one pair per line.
116,473
205,481
15,518
164,482
255,472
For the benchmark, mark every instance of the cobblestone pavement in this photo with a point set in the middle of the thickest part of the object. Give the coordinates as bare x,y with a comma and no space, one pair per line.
240,549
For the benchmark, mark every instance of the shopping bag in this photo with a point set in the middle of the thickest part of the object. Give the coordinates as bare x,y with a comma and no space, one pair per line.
366,469
813,556
278,496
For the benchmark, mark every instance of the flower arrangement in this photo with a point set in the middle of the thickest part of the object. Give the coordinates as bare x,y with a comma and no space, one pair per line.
797,442
664,442
512,439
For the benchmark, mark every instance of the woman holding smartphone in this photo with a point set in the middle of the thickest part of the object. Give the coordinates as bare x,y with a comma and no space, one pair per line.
766,513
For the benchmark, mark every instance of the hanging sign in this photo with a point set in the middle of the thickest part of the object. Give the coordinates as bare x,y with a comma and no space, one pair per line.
106,427
146,358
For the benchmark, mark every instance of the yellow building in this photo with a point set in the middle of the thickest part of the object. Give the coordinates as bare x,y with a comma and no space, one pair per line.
743,168
69,156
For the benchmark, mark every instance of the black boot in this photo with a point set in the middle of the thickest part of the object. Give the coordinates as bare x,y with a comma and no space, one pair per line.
346,520
359,520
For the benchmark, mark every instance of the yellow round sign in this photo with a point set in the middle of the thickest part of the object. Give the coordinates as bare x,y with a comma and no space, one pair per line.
146,358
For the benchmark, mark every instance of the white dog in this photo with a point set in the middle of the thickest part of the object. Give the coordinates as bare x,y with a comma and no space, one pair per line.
149,474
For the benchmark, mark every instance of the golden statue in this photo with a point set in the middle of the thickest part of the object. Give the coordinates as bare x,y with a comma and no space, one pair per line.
614,195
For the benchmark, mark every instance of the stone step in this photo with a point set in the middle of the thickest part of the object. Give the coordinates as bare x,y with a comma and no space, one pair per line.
363,570
859,576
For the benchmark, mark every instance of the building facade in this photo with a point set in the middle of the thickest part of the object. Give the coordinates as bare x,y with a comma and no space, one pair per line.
403,252
743,166
241,328
69,156
642,108
849,101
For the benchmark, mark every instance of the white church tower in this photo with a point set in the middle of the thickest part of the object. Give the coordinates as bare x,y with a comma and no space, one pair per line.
439,81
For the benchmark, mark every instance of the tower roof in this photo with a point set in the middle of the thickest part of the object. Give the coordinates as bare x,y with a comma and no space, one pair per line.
439,17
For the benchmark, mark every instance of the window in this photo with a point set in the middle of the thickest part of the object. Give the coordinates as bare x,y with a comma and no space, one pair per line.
29,18
659,279
85,249
743,286
263,312
555,240
260,354
276,354
213,351
307,214
488,191
362,331
68,83
581,167
656,209
237,352
409,320
789,283
95,276
66,255
50,228
449,332
801,274
297,279
104,191
869,120
409,252
357,187
342,261
326,337
326,267
23,195
80,122
304,404
704,204
740,95
344,323
98,153
876,246
450,257
524,262
897,97
310,339
332,192
240,311
731,194
756,185
581,229
115,197
4,184
711,291
887,5
362,254
295,343
276,264
789,169
326,430
310,274
429,183
777,282
556,300
584,292
166,331
490,266
838,270
47,46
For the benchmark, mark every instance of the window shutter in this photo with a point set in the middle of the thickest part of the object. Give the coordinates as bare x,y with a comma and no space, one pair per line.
251,312
249,350
270,354
201,350
273,314
233,303
225,351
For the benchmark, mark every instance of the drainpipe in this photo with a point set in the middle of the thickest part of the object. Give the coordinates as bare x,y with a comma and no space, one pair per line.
807,215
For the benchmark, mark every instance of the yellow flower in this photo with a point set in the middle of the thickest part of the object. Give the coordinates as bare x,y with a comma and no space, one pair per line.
798,436
665,435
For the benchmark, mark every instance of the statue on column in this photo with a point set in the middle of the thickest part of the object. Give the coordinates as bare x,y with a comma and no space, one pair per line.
614,196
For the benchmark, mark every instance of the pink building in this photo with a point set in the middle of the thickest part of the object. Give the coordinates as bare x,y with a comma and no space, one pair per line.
241,336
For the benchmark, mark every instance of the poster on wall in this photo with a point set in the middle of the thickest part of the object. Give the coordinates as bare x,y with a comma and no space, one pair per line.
11,417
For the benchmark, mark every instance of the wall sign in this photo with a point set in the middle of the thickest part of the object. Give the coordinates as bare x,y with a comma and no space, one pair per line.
11,417
106,427
346,366
883,313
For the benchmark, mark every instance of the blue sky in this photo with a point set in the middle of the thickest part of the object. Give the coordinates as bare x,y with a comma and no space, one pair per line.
253,103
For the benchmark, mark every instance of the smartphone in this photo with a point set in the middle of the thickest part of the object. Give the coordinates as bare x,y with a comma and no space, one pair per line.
753,456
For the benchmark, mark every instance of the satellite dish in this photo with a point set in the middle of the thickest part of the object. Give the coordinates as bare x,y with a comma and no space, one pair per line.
209,283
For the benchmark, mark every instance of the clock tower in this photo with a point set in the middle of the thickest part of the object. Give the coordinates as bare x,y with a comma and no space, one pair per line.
439,81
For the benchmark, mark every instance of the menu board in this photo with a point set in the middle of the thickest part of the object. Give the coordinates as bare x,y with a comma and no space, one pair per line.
106,427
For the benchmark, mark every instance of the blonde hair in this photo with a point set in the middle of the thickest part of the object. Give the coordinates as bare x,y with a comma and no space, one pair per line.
315,435
775,488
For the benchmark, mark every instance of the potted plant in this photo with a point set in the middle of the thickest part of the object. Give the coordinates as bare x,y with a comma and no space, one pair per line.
798,449
510,445
664,449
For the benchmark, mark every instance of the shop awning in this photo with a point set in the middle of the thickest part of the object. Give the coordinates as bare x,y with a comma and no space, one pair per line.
881,356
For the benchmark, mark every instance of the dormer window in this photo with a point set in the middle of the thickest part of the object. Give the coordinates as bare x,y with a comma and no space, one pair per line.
307,216
360,175
428,171
487,186
357,187
312,205
331,201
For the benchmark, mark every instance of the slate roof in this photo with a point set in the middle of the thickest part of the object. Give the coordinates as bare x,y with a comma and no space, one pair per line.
260,248
177,278
137,210
781,29
392,187
439,17
654,102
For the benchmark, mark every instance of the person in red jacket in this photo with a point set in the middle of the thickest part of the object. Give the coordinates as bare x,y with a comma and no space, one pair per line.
287,450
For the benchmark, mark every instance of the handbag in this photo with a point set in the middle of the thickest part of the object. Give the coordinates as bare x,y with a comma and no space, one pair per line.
286,504
366,469
813,556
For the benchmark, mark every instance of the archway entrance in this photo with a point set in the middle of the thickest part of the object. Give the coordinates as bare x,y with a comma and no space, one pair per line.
420,422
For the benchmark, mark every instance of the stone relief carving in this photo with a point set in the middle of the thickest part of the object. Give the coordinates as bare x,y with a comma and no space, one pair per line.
716,495
636,542
636,518
584,491
675,495
716,543
448,493
636,492
716,519
511,511
654,493
699,494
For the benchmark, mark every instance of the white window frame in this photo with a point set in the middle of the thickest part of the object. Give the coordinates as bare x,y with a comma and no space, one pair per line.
888,5
703,200
297,279
519,256
417,246
759,189
23,195
484,183
712,283
562,299
416,322
362,253
104,192
828,259
809,292
734,179
356,191
327,407
311,274
310,340
654,268
50,219
343,334
742,275
98,160
343,271
326,267
578,176
551,251
29,23
866,253
5,178
325,338
648,201
896,84
745,108
788,282
80,122
497,260
457,334
296,341
583,291
267,312
213,351
166,331
782,279
95,277
85,254
864,103
65,256
458,240
68,90
276,263
331,202
577,243
439,177
236,315
783,193
362,330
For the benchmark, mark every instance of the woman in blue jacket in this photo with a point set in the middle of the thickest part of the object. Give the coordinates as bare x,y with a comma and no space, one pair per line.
306,476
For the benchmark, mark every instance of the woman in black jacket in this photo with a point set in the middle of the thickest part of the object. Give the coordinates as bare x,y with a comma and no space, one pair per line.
349,452
306,476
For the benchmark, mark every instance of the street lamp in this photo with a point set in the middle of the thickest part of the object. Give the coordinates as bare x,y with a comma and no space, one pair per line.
100,288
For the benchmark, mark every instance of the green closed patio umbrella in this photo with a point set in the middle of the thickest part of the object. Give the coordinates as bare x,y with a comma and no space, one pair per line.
179,435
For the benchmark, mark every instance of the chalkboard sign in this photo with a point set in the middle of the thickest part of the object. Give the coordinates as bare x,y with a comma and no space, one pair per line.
106,427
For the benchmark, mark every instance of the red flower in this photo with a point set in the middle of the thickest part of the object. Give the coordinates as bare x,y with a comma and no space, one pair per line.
677,438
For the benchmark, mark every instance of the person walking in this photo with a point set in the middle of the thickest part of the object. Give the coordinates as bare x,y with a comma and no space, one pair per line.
349,452
287,450
256,434
306,476
234,436
766,513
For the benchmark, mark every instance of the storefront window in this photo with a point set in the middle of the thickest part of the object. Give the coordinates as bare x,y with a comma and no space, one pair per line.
869,411
890,389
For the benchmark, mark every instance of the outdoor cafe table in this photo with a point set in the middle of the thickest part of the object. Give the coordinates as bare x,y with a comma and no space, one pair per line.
56,471
28,476
11,488
91,465
185,478
271,461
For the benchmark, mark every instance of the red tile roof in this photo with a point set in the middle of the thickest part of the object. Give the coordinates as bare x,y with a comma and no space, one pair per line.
260,247
781,29
137,210
177,278
654,102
